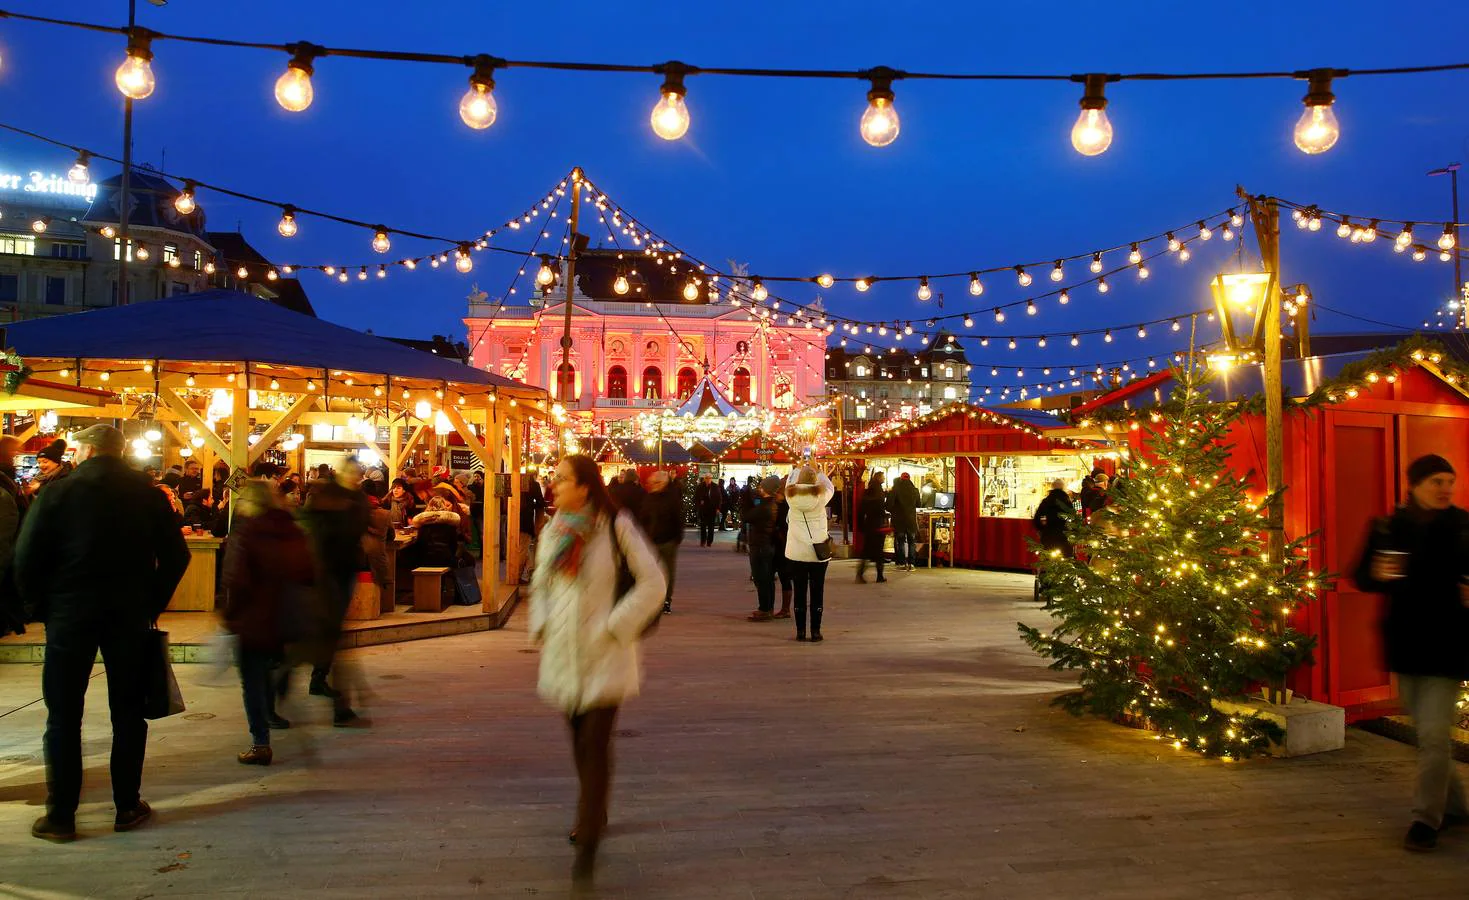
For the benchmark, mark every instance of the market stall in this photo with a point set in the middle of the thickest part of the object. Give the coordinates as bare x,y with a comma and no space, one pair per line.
981,475
1354,423
252,379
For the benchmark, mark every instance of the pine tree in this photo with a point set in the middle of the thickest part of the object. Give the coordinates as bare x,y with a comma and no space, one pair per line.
1174,602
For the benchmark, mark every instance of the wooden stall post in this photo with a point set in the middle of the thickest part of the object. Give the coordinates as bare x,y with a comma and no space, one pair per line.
513,538
490,558
395,447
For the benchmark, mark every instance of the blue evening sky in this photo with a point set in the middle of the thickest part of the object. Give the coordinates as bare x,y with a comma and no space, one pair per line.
773,171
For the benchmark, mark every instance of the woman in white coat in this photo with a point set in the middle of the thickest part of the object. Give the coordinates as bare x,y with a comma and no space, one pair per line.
589,636
807,492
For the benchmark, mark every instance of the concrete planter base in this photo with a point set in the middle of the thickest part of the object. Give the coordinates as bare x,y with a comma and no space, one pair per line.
1310,727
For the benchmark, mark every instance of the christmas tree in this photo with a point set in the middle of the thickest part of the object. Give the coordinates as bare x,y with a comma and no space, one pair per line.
1173,601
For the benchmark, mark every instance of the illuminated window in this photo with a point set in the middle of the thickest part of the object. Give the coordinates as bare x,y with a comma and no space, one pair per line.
950,393
566,383
117,249
170,253
18,244
652,383
861,371
617,382
687,380
948,371
198,261
741,386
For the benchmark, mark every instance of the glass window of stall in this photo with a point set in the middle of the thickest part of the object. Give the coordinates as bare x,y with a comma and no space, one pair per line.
1014,485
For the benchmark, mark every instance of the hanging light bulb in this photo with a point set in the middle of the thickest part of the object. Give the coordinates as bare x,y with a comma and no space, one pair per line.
670,116
620,285
546,275
924,291
293,89
1023,276
242,273
1345,228
1226,233
1237,219
1142,271
862,285
1204,232
108,232
908,329
40,225
1419,254
691,290
462,261
1142,331
1012,344
1096,264
1030,308
1064,297
174,262
184,202
1042,343
825,280
759,292
80,172
477,108
1057,273
1184,255
1075,341
1176,326
1317,130
1369,234
1404,239
1107,336
1135,255
287,225
968,322
1102,286
142,253
880,124
1447,241
976,287
380,241
999,314
135,76
362,274
1092,133
1174,244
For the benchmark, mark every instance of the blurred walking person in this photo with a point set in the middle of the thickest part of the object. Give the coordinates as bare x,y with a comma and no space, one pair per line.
98,559
872,512
267,569
807,541
1419,558
336,517
589,635
663,521
707,499
762,519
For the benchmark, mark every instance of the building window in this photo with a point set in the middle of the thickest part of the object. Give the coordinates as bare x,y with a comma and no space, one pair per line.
950,393
566,383
861,371
67,251
170,253
741,386
17,244
652,383
55,291
861,411
198,261
924,371
117,249
687,381
9,288
948,371
617,383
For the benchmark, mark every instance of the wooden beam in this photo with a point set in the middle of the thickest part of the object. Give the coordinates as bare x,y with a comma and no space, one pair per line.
395,447
412,442
468,434
490,543
514,540
189,417
273,433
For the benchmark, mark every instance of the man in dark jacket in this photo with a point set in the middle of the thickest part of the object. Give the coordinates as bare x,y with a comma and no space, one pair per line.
336,516
98,559
1419,558
903,508
761,523
1052,517
708,497
532,507
662,519
1094,493
628,493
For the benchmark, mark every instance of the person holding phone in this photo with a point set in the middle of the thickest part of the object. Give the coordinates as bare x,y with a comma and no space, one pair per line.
808,545
1419,557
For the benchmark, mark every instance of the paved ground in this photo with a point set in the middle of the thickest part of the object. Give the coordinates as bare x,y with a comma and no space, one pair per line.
912,755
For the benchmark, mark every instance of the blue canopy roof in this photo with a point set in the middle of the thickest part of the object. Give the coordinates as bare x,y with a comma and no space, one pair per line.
229,326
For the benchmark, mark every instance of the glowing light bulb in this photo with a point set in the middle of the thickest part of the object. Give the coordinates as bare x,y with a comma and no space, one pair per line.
1419,254
477,108
968,322
1142,332
1030,308
1064,297
1134,255
108,232
1317,130
976,287
287,225
40,225
135,76
242,272
1057,273
1075,341
862,285
924,291
759,292
1174,244
342,276
620,285
1142,270
80,172
1092,133
463,263
293,89
380,241
1448,240
1102,286
1108,336
1023,276
209,268
691,290
185,202
880,125
545,275
670,116
1096,264
1345,228
1204,232
142,253
999,314
1404,238
362,274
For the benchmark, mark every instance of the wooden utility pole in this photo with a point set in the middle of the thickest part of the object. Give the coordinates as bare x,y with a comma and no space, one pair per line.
565,366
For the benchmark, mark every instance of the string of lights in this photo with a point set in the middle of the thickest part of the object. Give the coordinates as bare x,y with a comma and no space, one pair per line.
1367,229
1316,131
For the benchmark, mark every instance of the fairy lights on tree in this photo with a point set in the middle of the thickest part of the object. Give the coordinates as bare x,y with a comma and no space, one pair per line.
1175,602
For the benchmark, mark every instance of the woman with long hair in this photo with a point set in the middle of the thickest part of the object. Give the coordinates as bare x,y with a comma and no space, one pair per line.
807,492
597,586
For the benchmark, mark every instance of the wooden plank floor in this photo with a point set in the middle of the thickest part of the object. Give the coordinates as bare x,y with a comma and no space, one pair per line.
912,755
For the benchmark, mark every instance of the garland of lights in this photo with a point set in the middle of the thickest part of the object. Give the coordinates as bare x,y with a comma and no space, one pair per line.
1316,131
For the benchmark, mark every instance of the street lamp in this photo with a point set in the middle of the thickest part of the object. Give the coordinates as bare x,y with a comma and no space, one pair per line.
1240,303
1452,170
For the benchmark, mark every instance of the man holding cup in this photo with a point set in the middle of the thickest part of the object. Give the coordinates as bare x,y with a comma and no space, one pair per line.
1419,558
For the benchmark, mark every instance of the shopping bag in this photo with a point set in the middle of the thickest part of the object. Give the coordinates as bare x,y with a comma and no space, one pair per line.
161,695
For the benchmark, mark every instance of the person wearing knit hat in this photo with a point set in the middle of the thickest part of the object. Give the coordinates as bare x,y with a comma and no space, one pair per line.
53,465
98,558
1419,558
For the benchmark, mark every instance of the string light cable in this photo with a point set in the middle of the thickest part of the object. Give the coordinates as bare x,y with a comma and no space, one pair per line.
1316,131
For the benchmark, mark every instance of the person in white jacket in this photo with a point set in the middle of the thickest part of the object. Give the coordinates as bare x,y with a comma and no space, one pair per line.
589,635
807,492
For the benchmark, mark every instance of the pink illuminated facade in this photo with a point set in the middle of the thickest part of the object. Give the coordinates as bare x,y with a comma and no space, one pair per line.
629,356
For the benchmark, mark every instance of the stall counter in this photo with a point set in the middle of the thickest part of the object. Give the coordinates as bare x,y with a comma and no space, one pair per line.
195,592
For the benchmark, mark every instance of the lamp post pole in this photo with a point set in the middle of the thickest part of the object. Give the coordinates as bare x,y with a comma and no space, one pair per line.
125,246
1452,170
565,381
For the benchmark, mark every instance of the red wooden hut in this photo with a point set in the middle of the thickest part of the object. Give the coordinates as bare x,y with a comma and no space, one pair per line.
997,467
1368,415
